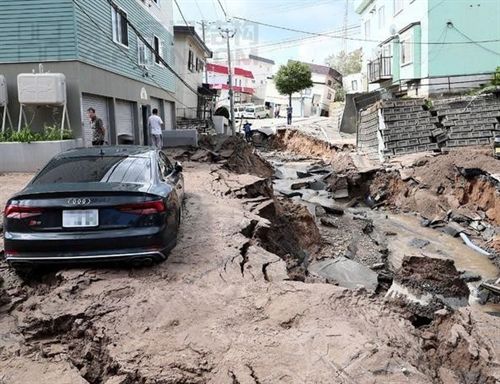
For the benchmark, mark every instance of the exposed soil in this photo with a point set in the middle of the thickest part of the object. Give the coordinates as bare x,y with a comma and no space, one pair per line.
436,276
226,307
298,142
434,185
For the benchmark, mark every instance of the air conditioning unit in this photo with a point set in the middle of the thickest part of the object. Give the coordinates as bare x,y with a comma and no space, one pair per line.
3,90
41,88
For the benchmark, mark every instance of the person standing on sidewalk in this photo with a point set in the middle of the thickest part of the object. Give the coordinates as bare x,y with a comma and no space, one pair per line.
97,128
289,111
155,125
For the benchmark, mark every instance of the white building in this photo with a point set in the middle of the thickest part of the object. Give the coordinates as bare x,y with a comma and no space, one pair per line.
354,83
311,101
191,55
242,86
428,46
262,70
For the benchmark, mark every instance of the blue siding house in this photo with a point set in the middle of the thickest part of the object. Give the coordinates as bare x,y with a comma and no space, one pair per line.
107,66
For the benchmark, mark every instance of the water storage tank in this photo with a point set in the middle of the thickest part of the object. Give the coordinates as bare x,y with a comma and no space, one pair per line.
3,90
41,88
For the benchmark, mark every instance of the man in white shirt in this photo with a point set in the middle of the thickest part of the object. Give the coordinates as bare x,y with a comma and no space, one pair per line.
155,125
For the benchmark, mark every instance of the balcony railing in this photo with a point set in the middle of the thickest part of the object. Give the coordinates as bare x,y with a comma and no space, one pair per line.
380,69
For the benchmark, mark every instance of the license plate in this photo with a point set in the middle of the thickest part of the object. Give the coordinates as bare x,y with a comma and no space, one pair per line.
81,218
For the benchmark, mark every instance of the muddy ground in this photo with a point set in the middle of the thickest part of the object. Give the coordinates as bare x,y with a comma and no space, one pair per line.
236,303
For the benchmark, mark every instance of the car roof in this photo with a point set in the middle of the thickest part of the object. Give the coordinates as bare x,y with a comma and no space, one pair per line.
109,151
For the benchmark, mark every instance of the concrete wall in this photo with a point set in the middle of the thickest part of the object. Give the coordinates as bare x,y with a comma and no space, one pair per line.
31,157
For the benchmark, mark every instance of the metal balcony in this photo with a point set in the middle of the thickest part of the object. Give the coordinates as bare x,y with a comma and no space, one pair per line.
380,69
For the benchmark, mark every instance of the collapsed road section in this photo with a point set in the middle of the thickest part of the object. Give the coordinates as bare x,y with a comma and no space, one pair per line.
290,267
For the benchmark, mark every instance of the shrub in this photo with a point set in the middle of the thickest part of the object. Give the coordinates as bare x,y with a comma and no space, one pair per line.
26,135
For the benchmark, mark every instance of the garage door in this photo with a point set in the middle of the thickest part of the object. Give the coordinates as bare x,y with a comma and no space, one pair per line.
124,119
169,115
100,104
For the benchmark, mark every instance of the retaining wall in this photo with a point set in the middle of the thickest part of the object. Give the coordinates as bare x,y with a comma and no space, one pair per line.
397,127
30,157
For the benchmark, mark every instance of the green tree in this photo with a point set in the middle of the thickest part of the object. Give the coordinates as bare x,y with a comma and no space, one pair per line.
293,77
346,63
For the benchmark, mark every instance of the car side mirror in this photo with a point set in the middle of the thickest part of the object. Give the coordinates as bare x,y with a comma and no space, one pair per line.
178,167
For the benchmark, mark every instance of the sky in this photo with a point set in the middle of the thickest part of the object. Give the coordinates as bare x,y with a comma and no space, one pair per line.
320,16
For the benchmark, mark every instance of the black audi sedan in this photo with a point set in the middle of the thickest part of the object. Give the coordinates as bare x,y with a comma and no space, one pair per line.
112,203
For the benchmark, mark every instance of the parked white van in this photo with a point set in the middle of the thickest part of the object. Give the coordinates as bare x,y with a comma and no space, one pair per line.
238,111
256,112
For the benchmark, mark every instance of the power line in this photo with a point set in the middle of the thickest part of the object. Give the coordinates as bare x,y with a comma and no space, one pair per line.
223,10
297,41
357,39
474,42
182,15
199,10
150,47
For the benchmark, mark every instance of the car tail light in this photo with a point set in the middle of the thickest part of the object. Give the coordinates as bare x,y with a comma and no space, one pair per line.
21,212
145,208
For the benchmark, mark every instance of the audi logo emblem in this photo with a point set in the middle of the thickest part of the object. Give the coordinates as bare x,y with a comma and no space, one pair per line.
82,201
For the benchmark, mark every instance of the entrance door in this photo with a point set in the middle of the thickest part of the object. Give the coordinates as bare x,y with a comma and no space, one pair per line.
145,130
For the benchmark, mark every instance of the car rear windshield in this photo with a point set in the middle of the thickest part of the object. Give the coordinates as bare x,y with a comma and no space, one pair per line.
91,169
249,110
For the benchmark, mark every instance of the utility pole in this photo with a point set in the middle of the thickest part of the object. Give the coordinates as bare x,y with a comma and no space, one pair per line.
227,34
203,37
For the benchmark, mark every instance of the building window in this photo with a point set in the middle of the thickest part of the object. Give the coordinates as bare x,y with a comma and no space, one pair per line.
406,48
367,29
329,97
157,46
120,27
354,85
200,65
329,82
143,54
381,16
398,6
191,61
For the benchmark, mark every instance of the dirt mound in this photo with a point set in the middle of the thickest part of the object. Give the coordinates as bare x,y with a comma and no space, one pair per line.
300,143
436,276
460,349
244,159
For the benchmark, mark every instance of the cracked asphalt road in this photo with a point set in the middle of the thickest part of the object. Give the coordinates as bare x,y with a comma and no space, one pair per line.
207,315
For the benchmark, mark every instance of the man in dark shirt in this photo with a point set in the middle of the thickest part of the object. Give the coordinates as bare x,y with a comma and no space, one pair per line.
97,127
247,127
289,111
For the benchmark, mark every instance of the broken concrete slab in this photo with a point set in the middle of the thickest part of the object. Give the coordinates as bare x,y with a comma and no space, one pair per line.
328,222
363,164
300,185
326,202
346,273
317,185
302,175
